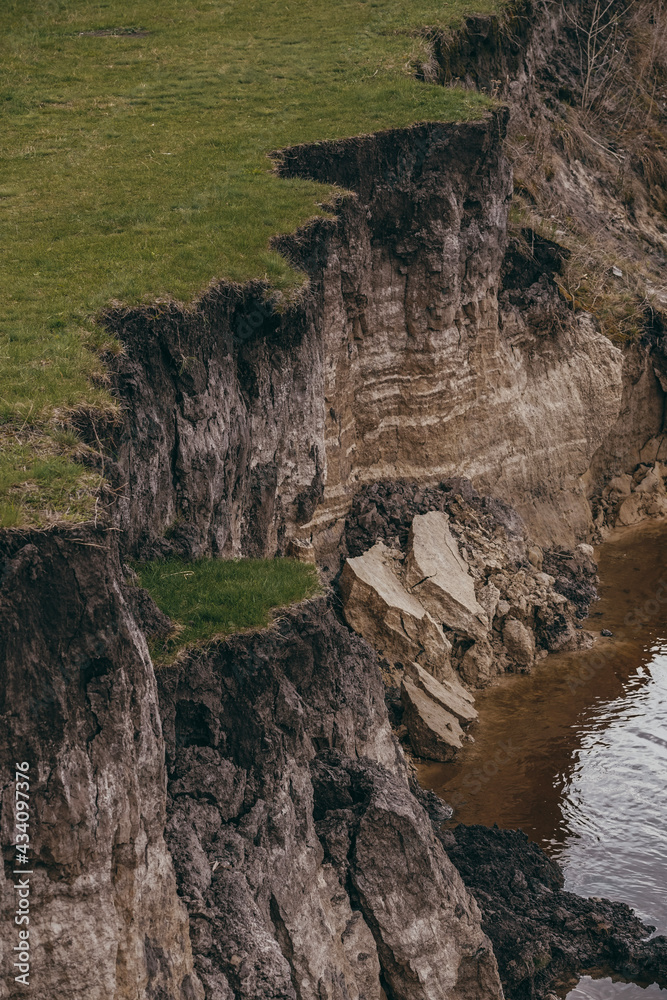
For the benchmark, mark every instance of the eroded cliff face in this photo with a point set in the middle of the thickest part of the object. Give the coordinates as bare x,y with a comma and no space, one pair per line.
78,702
407,355
296,857
590,167
443,371
222,446
426,345
309,869
307,866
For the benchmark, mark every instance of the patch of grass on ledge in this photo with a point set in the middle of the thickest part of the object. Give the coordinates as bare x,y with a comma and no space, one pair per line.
42,481
211,598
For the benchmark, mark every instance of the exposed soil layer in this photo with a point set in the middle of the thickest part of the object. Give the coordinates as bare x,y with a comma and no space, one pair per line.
586,136
384,511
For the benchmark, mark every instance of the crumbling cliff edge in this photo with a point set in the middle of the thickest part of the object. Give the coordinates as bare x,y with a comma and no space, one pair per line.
245,825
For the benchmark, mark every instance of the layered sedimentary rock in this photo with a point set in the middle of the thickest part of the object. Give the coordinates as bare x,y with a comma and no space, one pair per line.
596,188
78,703
247,424
434,379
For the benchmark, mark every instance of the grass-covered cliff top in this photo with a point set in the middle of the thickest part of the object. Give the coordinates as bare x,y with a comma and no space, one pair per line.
134,164
211,598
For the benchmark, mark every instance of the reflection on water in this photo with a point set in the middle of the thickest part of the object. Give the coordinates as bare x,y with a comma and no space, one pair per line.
604,989
576,753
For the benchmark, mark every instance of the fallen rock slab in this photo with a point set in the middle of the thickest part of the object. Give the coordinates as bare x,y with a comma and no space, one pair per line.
448,694
631,510
619,485
653,481
437,574
434,732
480,665
379,608
519,642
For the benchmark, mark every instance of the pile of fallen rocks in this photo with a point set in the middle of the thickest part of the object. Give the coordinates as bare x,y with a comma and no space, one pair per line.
454,596
628,499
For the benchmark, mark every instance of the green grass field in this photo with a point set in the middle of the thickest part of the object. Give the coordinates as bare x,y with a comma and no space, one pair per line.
134,165
211,598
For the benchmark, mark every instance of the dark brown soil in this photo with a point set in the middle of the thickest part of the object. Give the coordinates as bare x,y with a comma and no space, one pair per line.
115,33
543,936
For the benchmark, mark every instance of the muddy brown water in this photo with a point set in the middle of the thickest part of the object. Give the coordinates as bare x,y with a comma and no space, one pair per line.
575,754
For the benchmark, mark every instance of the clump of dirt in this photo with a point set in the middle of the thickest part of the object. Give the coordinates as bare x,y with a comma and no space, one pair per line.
384,511
115,33
576,577
542,935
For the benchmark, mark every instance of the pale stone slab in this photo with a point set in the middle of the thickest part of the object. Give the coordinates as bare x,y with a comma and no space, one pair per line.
450,695
437,574
379,608
434,733
519,642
